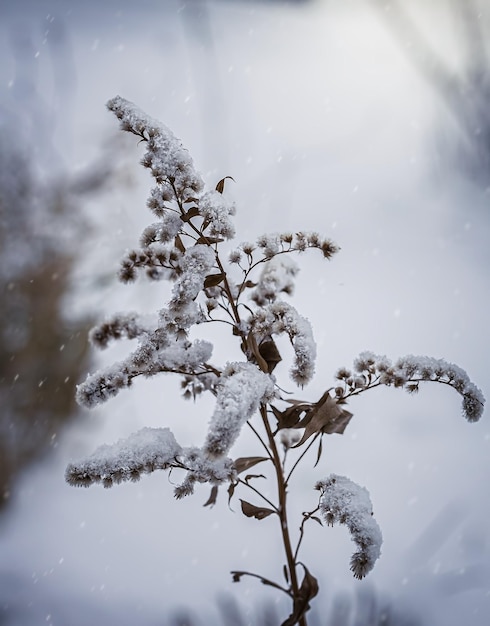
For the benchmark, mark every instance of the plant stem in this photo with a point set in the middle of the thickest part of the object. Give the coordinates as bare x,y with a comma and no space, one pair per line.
282,510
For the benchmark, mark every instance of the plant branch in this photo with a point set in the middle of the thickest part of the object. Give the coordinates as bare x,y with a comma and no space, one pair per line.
265,581
306,517
246,484
282,496
286,482
257,434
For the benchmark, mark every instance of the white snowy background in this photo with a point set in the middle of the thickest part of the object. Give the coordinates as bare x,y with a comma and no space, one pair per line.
319,115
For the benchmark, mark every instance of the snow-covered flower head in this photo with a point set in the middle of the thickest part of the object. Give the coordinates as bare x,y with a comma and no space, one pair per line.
216,211
342,501
240,391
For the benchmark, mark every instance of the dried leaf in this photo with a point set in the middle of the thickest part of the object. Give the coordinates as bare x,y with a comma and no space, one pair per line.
250,476
211,501
208,240
326,417
252,346
191,200
231,491
320,450
246,462
259,512
212,280
192,212
269,352
290,417
286,575
301,602
309,586
221,184
179,244
338,425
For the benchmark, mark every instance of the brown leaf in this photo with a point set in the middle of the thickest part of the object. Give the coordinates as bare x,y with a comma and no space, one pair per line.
250,510
250,476
231,491
179,244
246,462
325,416
211,501
291,416
319,454
269,352
192,212
252,346
309,586
212,280
338,425
221,184
208,240
301,602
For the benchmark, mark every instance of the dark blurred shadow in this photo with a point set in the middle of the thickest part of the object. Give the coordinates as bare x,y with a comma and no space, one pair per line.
42,352
464,145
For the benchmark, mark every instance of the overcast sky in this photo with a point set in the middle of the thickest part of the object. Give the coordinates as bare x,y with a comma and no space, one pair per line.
320,115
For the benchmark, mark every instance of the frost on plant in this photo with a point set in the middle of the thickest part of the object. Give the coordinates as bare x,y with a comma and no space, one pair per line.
344,502
243,289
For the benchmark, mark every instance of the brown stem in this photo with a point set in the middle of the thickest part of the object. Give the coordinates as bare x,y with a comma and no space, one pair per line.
282,510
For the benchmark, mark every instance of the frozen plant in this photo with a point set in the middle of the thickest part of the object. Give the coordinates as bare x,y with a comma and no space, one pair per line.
241,290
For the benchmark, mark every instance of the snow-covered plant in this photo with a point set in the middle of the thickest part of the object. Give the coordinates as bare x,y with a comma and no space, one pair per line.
242,290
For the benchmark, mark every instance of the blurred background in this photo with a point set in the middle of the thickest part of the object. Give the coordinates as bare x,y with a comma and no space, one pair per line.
365,120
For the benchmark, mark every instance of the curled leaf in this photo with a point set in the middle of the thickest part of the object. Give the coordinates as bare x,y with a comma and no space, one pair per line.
301,601
221,184
211,501
212,280
326,417
269,352
250,510
246,462
188,215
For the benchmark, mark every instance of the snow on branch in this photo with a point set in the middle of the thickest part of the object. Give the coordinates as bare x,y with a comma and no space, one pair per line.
143,452
216,211
169,162
158,352
281,317
241,389
371,370
203,469
342,501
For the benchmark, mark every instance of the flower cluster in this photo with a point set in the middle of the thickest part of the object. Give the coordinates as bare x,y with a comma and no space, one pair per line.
344,502
158,351
203,469
169,162
143,452
121,325
216,211
241,388
278,243
281,317
371,370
